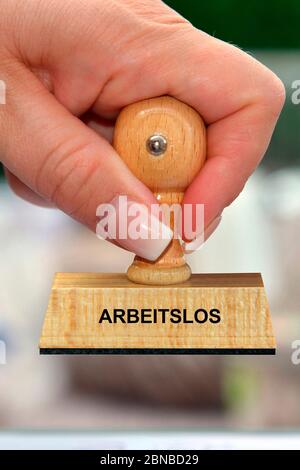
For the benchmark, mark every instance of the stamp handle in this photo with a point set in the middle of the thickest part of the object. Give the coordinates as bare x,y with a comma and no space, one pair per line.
163,142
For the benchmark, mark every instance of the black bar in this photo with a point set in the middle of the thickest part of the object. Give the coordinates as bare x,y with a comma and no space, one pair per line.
142,458
166,351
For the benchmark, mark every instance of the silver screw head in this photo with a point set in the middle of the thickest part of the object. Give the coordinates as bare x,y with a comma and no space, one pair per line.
156,144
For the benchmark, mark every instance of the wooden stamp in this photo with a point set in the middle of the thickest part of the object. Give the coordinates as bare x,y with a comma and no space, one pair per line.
159,307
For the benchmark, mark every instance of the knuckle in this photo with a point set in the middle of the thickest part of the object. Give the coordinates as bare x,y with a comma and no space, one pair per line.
263,86
275,92
65,175
272,92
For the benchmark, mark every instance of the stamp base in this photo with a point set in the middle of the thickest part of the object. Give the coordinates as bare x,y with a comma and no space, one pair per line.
72,325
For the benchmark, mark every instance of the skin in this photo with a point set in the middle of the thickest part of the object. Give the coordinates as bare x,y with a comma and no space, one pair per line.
69,68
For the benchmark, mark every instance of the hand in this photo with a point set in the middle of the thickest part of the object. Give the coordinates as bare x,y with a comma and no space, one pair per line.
70,66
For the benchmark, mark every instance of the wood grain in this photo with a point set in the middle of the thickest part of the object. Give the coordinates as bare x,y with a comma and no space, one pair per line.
167,175
76,302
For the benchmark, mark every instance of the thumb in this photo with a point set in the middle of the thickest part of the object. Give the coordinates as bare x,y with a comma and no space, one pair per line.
66,162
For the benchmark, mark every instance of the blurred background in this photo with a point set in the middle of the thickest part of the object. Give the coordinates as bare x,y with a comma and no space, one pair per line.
260,232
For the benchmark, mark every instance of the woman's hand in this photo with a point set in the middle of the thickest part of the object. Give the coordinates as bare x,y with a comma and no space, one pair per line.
70,66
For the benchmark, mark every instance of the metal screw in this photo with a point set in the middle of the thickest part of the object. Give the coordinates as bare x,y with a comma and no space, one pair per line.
156,145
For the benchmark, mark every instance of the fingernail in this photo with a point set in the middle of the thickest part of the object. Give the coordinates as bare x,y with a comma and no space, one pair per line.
134,227
190,247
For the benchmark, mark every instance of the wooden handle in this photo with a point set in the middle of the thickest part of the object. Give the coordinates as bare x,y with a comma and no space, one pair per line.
162,141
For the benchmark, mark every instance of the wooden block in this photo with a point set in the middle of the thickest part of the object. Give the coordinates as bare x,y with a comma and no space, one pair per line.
78,300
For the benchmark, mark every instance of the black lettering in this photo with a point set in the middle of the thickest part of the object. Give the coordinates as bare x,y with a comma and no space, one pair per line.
184,317
163,312
105,316
215,315
175,315
205,315
132,315
154,315
146,313
119,313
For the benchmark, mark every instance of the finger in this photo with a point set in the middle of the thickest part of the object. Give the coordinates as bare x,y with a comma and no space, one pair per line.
21,190
240,100
99,125
62,160
235,145
103,127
